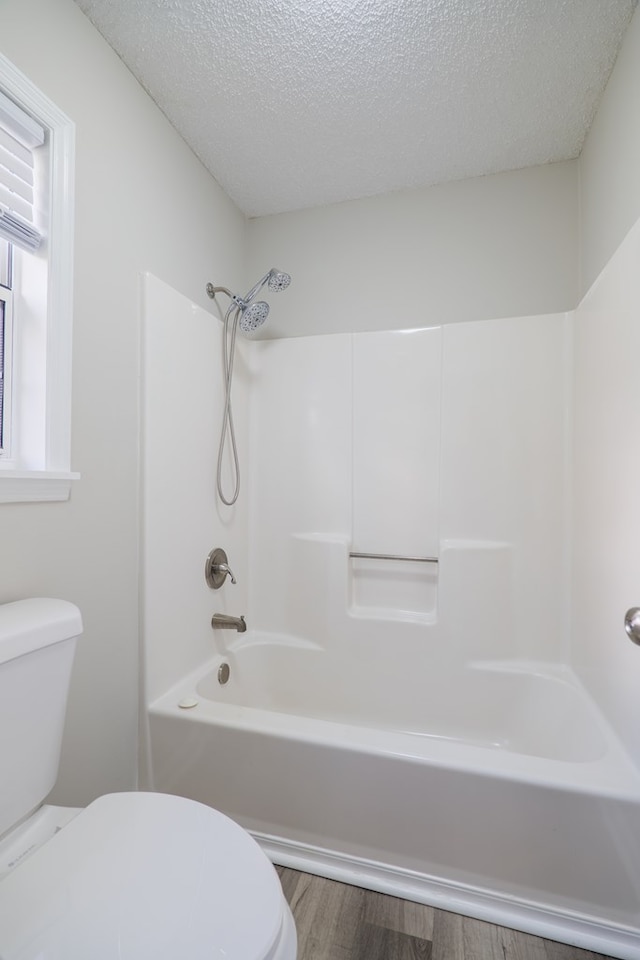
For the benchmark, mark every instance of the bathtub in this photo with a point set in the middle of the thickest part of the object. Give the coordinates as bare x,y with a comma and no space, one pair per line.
490,788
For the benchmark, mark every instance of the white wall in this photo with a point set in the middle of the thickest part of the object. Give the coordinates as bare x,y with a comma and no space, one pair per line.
498,246
143,202
610,163
505,473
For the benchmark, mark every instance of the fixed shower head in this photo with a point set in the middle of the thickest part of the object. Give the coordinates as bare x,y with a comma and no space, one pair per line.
254,316
278,280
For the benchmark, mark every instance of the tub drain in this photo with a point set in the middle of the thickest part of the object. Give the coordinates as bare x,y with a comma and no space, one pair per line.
223,673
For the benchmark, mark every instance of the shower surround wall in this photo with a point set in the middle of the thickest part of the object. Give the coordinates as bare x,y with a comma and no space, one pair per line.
436,443
182,518
448,442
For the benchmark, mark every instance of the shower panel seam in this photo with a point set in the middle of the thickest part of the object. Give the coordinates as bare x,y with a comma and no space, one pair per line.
352,458
568,511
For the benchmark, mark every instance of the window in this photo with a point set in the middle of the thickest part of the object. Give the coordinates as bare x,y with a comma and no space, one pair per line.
36,261
6,342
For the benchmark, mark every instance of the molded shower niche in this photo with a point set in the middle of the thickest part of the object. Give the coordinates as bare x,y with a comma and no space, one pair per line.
393,588
328,605
468,600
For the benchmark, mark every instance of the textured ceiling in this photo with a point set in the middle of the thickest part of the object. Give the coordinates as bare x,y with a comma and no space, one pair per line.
295,103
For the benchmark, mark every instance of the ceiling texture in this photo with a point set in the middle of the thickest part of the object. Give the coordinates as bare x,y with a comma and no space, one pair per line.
298,103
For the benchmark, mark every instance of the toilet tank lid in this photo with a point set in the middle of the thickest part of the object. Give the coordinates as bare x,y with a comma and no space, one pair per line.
28,625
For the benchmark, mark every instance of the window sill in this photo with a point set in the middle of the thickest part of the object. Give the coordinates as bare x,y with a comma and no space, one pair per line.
24,486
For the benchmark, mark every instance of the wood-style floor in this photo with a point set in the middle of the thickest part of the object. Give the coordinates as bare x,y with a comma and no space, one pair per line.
339,922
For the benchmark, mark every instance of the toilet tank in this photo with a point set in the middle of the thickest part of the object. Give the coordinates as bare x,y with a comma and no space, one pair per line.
37,643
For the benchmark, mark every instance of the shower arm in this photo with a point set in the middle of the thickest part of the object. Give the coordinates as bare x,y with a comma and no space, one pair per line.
211,292
242,302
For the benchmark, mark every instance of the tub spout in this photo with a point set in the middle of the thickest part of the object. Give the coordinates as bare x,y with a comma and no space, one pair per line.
221,621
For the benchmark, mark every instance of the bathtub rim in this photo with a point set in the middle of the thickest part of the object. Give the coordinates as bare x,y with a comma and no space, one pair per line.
612,776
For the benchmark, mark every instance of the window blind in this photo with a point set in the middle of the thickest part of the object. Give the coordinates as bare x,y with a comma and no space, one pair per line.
1,374
20,136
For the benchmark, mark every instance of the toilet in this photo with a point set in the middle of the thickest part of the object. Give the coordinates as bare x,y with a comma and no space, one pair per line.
133,876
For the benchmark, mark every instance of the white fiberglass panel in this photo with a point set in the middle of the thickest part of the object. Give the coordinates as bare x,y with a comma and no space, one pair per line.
300,473
300,430
182,403
505,418
396,441
446,442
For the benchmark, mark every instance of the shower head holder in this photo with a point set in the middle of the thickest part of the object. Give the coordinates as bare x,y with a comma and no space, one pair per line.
252,314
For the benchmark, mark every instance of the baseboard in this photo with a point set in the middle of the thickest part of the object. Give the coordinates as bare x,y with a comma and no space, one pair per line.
578,930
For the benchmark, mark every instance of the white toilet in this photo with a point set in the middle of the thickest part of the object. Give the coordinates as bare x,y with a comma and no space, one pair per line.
134,876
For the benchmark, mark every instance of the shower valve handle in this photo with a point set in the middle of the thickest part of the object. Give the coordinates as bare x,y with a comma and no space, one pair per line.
225,569
217,569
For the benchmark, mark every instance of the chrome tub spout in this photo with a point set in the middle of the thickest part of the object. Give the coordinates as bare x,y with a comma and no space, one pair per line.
221,621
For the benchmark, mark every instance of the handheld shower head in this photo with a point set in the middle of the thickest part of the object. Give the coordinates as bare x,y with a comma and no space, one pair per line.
278,280
254,316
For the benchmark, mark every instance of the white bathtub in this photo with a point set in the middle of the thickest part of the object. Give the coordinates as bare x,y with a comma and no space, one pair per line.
491,789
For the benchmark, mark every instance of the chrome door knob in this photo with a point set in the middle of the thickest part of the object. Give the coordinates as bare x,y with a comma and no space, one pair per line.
632,624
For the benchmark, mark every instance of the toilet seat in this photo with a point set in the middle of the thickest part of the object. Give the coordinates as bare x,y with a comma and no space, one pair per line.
144,876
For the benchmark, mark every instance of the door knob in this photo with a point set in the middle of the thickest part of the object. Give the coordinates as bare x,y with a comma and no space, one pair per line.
632,624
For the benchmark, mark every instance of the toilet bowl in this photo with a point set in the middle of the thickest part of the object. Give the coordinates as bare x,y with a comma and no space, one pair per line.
139,876
134,876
